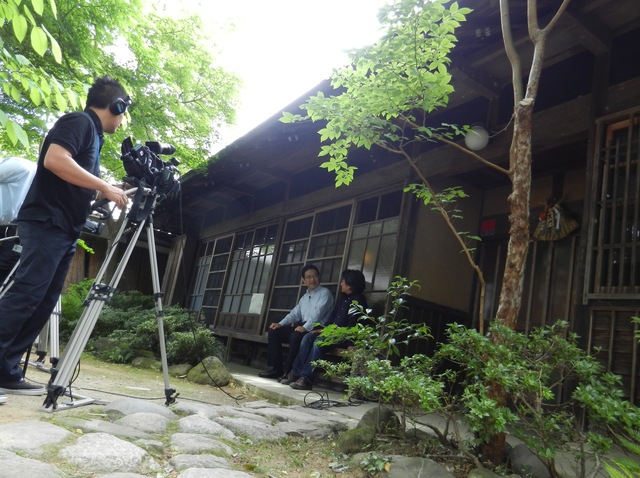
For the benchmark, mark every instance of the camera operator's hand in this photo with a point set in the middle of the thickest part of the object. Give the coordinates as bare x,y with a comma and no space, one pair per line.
115,194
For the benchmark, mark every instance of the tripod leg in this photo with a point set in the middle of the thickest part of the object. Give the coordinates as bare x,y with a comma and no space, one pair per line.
98,295
153,260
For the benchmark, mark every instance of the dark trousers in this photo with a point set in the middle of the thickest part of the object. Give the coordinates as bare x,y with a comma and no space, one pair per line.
277,337
26,307
311,349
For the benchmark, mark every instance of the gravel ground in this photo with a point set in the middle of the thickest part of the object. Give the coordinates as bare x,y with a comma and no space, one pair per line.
107,382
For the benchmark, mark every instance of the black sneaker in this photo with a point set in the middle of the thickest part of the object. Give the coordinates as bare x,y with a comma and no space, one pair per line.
273,373
21,387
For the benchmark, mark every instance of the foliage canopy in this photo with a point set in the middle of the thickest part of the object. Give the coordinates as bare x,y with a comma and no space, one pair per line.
180,95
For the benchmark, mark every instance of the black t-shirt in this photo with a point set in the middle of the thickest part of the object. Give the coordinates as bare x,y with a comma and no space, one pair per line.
49,196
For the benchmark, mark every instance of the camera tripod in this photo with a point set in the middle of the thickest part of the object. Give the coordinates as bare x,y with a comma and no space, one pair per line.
139,217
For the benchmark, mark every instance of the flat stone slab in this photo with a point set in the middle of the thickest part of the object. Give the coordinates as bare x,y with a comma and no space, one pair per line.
101,452
31,436
28,466
253,429
213,473
127,406
92,426
145,421
184,462
202,425
193,443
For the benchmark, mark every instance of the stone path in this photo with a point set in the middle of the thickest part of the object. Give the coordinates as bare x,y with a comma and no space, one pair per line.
194,440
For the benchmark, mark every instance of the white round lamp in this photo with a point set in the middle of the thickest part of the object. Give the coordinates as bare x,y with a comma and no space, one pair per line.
476,138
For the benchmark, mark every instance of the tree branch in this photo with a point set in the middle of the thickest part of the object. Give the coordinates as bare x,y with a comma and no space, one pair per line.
510,49
473,155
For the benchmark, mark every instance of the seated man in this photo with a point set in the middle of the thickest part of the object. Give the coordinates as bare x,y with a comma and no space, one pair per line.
314,307
352,287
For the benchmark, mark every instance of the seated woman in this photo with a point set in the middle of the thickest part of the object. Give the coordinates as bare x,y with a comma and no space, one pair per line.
352,286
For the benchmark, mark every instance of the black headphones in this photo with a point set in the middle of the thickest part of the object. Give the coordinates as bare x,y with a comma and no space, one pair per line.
119,106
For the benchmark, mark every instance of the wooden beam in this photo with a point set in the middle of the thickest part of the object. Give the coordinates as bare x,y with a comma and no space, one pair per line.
593,37
481,83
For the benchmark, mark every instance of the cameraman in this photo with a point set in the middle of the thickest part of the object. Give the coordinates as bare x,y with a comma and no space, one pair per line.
51,219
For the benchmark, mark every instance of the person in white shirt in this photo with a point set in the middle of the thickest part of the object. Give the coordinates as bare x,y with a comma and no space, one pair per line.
313,308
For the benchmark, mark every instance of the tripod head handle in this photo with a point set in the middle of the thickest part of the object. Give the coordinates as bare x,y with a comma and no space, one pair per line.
100,209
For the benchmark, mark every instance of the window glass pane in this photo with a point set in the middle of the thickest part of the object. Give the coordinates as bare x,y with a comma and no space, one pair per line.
390,205
356,255
360,232
293,252
208,315
367,210
327,245
298,229
370,257
332,220
284,298
375,229
390,226
211,298
219,262
384,267
330,269
223,245
196,303
215,280
245,303
288,275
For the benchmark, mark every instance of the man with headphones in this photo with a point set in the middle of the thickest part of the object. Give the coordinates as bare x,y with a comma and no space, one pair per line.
51,219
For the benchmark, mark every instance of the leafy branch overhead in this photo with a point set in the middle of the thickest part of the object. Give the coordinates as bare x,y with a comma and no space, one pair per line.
390,88
50,57
22,79
385,98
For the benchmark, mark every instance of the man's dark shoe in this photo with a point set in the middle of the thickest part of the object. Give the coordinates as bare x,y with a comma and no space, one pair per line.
270,374
290,377
301,384
21,387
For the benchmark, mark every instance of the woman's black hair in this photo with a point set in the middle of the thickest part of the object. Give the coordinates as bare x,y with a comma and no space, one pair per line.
103,91
354,279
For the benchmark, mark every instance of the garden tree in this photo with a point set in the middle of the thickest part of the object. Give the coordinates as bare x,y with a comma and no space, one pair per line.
166,64
386,96
26,86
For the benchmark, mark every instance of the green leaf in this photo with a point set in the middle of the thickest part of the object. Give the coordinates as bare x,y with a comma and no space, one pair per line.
15,93
44,86
54,9
36,96
39,40
16,133
38,6
61,101
55,47
19,27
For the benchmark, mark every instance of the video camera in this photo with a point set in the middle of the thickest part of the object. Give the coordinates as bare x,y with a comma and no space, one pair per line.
145,168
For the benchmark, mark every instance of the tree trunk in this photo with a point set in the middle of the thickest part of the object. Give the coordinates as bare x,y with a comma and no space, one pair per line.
518,247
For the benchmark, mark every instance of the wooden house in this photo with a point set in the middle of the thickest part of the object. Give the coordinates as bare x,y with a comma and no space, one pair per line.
264,207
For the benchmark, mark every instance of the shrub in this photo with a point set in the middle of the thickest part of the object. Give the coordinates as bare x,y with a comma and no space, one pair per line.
459,381
72,307
129,323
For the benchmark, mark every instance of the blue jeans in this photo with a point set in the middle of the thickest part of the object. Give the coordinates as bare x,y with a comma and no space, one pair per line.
26,307
310,350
